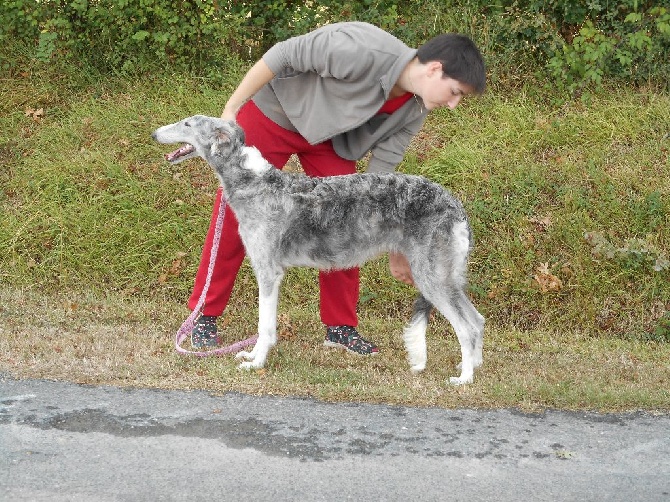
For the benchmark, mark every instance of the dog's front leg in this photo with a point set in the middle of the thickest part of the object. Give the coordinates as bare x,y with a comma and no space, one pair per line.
268,297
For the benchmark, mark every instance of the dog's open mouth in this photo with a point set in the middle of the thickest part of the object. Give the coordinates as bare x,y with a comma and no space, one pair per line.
180,152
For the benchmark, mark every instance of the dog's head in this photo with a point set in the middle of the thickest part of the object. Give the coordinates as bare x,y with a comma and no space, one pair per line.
202,137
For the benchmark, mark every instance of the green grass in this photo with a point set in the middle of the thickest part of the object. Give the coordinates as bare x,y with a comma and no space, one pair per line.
101,240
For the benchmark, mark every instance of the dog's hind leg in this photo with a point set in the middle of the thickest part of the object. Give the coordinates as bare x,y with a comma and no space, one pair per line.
268,298
443,284
470,332
414,335
469,327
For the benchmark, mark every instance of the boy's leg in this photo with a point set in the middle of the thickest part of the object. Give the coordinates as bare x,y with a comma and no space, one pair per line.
339,297
339,288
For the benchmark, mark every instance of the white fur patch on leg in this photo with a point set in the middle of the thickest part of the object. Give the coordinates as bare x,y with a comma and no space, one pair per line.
415,343
467,368
267,327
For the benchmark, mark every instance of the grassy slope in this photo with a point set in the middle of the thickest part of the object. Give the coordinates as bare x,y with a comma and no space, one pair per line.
102,239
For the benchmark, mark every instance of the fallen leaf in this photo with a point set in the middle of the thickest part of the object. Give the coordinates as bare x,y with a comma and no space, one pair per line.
285,330
547,281
542,223
177,266
36,115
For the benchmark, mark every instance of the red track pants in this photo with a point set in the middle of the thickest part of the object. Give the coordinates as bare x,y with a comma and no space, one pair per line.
339,289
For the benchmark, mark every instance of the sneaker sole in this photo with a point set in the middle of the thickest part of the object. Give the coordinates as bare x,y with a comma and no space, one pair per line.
335,345
205,345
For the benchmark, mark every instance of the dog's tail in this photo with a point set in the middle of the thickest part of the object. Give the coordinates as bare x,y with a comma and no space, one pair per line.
415,334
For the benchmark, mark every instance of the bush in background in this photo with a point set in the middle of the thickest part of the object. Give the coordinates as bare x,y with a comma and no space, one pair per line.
581,43
576,44
123,35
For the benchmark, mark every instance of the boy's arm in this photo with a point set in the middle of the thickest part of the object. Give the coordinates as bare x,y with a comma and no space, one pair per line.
257,76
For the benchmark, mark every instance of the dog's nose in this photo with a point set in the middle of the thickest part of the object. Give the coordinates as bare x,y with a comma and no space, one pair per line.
153,135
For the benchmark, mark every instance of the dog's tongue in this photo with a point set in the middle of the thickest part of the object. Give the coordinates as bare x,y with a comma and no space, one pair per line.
180,152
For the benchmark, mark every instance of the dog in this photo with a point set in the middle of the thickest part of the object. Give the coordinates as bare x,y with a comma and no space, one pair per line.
339,222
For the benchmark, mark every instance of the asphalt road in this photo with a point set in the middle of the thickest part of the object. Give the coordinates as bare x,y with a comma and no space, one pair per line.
67,442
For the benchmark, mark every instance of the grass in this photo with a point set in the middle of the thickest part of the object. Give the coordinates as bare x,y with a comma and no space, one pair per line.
569,207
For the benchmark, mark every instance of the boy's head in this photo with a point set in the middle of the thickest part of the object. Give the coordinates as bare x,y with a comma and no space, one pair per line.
460,59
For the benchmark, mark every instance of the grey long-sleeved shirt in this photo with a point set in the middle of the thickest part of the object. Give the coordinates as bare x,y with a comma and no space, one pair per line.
330,84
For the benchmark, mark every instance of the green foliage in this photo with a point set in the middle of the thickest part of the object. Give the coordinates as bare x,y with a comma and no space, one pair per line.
581,43
634,49
130,35
124,35
269,21
571,45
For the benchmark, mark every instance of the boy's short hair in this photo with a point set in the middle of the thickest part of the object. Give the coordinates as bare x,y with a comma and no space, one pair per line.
460,58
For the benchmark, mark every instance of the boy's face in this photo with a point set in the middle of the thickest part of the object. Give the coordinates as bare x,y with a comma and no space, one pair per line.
440,91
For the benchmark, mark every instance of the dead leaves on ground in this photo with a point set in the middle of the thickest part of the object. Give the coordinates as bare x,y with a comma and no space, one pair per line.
176,268
543,278
546,281
36,114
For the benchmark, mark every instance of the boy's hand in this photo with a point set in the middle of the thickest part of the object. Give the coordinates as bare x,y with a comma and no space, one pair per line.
400,268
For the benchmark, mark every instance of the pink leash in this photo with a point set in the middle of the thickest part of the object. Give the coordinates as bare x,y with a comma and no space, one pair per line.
189,323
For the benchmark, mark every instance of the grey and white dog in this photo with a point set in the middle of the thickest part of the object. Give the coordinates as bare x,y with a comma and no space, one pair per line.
287,220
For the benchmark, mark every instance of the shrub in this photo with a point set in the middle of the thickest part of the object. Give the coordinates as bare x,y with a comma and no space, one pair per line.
576,44
122,34
580,43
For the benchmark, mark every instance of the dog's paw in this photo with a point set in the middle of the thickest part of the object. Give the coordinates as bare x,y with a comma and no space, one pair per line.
251,365
417,368
253,361
460,380
254,364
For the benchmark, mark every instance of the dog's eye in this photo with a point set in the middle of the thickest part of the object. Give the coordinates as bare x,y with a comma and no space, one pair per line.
187,124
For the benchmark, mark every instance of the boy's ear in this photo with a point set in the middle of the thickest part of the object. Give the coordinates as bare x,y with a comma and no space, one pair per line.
432,67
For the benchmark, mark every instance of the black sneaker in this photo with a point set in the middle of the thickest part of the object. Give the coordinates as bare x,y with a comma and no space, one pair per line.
346,337
204,334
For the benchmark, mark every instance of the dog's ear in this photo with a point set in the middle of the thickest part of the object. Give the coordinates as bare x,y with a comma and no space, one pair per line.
222,136
230,133
228,137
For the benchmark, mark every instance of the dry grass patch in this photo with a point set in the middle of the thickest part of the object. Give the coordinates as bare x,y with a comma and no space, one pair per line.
116,341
